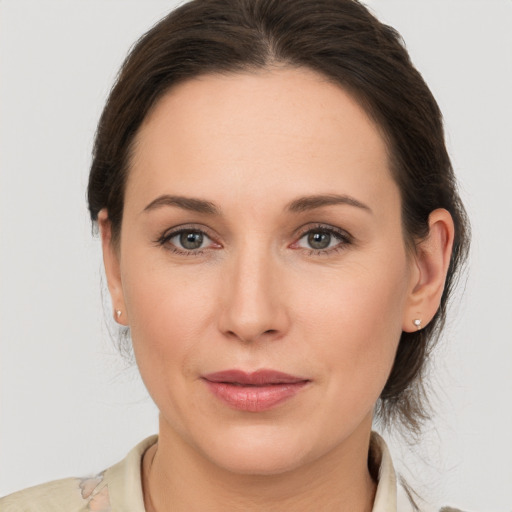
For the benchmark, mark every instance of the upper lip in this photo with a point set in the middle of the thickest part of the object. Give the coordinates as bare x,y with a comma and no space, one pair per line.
258,378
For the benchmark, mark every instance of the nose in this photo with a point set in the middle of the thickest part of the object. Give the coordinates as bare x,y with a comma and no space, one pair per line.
252,300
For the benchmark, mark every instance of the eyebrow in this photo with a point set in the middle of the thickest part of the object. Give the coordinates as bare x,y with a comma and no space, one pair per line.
298,205
306,203
186,203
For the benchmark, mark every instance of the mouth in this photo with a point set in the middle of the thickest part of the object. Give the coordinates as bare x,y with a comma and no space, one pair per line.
254,392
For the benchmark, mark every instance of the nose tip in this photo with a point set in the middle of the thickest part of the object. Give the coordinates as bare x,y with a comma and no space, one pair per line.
250,320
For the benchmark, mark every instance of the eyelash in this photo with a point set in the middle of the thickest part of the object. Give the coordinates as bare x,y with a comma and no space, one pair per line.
169,235
343,237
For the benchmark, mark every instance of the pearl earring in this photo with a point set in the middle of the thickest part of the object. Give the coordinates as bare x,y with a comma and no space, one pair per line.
118,313
417,323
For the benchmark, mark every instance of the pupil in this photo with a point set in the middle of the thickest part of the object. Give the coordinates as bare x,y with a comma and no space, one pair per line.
191,240
319,240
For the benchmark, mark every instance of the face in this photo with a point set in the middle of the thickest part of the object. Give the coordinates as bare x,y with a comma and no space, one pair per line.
262,268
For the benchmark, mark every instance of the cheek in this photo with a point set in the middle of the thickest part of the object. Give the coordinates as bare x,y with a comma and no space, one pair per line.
355,318
168,313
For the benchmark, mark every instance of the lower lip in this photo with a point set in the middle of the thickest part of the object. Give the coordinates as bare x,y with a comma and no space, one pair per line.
254,398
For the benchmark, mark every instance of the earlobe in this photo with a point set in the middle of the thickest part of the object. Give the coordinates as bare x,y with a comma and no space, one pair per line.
112,268
432,261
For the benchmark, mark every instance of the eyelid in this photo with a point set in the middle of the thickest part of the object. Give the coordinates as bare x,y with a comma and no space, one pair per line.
344,237
170,233
319,226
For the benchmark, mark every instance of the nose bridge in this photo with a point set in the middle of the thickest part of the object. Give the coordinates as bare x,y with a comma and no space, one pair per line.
252,303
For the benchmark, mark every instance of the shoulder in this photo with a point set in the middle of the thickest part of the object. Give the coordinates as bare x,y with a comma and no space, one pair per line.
66,495
393,493
117,488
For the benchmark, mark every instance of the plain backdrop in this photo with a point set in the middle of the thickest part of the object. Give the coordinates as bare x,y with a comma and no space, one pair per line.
69,405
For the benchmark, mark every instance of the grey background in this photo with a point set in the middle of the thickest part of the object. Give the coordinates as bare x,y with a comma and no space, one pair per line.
69,406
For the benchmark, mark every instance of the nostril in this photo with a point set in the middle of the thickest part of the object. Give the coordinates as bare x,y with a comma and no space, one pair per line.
251,338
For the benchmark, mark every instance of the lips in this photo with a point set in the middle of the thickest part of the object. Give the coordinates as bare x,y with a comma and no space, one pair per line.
254,392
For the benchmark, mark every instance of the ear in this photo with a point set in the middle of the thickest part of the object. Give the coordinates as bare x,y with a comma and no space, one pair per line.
112,268
431,264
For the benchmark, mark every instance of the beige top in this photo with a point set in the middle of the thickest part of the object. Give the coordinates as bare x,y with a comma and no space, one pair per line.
119,488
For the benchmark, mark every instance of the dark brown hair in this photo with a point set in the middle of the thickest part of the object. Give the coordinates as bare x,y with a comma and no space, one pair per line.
341,40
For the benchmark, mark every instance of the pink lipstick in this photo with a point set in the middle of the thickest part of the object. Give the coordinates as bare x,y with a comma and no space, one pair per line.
254,392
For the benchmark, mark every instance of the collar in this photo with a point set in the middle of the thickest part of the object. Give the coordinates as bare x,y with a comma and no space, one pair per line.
125,489
379,456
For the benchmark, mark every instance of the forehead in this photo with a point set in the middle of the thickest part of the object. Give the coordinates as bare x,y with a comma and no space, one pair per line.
280,129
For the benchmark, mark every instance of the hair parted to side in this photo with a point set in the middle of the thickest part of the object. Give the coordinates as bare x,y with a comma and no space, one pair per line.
343,41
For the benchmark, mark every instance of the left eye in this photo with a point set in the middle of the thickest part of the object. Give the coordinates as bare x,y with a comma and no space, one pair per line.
190,240
320,239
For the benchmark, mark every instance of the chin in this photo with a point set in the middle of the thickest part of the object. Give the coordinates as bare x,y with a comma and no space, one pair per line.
265,452
259,462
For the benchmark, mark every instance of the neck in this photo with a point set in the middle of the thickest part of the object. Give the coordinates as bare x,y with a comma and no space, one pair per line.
175,477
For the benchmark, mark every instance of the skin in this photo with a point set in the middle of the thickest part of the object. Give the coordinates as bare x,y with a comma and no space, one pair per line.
256,295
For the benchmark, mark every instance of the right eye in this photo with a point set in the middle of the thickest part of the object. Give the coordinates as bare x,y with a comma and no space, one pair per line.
187,241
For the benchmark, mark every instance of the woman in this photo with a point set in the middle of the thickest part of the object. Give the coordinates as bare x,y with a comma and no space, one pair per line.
281,231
